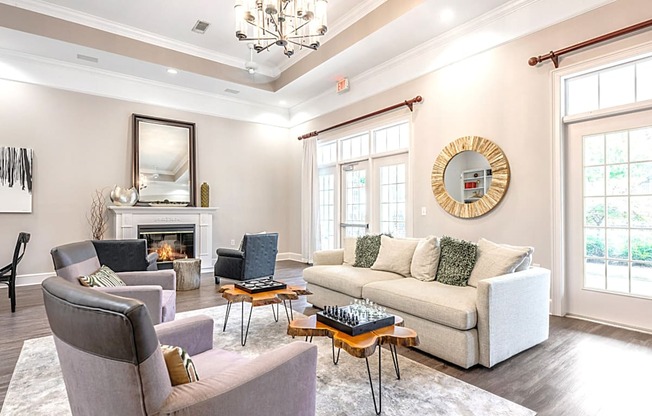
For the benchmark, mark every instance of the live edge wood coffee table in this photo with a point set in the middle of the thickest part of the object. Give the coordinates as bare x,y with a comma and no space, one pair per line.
271,297
360,346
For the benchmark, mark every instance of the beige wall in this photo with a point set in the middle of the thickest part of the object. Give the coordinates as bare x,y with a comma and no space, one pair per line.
498,96
82,143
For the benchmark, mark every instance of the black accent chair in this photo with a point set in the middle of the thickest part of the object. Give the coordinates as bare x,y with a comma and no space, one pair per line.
8,273
125,255
255,259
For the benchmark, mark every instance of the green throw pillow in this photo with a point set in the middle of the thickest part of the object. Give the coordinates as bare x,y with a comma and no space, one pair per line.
366,250
102,277
456,261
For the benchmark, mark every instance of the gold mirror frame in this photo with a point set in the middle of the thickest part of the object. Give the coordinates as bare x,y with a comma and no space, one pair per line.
499,182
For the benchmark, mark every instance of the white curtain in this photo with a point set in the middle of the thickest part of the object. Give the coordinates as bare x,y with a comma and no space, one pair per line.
309,200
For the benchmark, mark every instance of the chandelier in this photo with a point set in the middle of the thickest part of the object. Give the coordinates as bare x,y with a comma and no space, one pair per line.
286,23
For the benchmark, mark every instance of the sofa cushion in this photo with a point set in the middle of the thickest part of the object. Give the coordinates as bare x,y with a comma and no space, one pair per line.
456,261
395,255
349,250
345,279
366,250
425,259
495,260
448,305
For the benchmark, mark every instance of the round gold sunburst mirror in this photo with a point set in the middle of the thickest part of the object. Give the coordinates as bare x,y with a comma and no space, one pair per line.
470,177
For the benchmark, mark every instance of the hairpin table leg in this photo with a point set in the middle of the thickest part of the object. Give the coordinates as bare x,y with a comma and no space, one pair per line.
379,407
226,316
243,339
335,359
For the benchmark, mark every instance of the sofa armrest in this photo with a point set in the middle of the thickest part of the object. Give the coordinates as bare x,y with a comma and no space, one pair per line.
231,391
328,257
167,279
151,296
193,334
513,313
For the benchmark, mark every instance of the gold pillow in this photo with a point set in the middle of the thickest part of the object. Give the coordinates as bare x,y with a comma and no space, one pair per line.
180,366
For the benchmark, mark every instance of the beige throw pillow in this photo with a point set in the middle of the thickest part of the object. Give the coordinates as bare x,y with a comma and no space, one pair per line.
527,261
426,259
494,260
395,255
349,250
180,366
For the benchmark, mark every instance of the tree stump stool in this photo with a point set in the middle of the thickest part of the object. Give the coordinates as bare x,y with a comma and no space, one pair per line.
188,273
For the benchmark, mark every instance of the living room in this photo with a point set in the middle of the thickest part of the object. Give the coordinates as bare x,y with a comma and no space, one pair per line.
473,76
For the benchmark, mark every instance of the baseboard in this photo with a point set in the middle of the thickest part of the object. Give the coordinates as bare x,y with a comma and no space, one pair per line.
608,323
31,279
291,256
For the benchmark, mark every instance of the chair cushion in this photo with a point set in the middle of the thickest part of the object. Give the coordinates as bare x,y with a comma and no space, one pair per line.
181,368
453,306
213,362
395,255
456,261
345,279
102,277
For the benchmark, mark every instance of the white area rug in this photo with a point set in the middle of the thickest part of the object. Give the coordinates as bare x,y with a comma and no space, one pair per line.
37,387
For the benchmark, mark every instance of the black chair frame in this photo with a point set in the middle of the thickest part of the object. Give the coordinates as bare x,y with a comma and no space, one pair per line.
8,273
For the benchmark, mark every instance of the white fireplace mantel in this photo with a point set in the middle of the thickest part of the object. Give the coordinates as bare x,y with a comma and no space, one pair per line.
127,220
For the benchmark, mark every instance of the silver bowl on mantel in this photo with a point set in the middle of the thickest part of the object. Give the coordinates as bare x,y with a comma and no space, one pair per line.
121,196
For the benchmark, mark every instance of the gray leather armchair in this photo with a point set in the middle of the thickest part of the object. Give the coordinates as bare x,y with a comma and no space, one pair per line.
112,363
129,259
256,258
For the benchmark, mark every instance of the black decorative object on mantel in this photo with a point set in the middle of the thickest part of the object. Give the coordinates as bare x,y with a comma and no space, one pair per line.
355,319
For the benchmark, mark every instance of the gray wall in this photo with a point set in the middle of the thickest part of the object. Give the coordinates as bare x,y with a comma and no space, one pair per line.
82,143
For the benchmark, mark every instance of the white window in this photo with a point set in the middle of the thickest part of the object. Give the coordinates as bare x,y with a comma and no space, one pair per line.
363,183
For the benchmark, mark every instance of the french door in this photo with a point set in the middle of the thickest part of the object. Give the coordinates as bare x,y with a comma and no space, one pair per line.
608,219
354,197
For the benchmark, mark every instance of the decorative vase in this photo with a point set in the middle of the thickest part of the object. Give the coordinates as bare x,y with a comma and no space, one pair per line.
121,196
205,195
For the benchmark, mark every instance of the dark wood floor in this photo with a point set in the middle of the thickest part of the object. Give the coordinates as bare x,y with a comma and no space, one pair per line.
583,369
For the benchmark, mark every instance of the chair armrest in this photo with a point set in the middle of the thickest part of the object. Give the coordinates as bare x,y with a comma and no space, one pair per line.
151,261
193,334
151,296
513,313
328,257
231,391
167,279
230,252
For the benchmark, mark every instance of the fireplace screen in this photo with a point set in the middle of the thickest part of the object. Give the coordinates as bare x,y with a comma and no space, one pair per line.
171,242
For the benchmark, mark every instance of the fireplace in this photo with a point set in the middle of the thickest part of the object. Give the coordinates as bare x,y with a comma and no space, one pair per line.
171,242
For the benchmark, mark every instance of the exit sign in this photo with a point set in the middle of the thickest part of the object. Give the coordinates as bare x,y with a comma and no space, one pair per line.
342,85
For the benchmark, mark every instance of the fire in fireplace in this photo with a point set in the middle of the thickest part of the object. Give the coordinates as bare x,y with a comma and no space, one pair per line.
171,242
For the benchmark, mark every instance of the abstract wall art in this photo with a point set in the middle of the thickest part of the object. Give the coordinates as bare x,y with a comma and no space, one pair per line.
15,179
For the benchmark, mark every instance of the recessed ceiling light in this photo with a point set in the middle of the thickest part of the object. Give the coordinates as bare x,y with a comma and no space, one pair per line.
446,15
172,71
282,102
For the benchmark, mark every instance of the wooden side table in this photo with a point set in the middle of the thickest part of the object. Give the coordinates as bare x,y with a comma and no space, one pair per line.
271,297
188,273
360,346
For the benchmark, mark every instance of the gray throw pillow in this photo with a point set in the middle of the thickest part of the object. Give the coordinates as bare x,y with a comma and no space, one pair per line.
456,261
366,250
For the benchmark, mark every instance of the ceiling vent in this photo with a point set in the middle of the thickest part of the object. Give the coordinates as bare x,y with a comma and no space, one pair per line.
200,27
230,91
87,58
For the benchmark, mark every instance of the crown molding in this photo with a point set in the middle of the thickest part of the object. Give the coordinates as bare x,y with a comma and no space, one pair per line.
130,32
30,69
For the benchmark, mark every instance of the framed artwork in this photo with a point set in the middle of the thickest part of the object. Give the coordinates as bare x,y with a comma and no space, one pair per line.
15,179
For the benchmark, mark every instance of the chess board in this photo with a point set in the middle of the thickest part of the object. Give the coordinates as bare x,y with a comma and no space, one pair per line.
260,285
362,325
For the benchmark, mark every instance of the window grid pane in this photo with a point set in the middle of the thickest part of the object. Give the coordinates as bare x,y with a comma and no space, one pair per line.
391,138
618,212
327,210
393,200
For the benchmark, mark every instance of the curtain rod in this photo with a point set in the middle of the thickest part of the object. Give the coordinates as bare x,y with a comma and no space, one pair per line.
554,55
408,103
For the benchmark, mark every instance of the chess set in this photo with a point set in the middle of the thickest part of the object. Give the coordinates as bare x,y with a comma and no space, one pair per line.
357,318
260,285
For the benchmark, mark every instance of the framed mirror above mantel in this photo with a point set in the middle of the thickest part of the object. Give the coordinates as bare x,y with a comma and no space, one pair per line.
164,165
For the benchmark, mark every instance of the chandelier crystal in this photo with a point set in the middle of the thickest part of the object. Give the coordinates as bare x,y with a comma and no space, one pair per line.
286,23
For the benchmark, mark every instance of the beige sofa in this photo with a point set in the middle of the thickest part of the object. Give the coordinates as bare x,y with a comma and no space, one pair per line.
464,325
